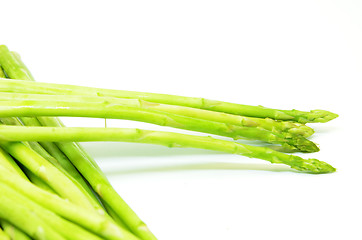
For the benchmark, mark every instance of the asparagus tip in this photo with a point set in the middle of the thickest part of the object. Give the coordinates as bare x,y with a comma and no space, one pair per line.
313,165
323,116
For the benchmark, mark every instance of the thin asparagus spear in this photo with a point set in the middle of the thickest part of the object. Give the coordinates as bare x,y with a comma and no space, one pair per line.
62,164
32,108
96,223
268,124
14,133
51,152
67,229
26,220
47,172
202,103
10,61
6,161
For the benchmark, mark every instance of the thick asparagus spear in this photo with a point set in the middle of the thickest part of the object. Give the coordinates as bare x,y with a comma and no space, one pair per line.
14,133
76,154
27,108
268,124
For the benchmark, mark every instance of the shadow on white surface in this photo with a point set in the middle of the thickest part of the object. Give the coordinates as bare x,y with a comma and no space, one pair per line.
202,166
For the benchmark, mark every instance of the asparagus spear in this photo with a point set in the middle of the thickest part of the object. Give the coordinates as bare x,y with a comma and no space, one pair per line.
51,152
104,227
54,221
47,172
201,103
6,161
72,231
26,220
99,224
267,124
14,133
28,108
13,232
76,154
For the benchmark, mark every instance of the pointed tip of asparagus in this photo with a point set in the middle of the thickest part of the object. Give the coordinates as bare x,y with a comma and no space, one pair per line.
323,116
302,144
313,165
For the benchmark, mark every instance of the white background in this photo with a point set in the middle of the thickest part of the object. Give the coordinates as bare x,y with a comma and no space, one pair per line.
281,54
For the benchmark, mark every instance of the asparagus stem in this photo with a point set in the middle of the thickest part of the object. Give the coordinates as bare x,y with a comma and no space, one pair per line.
10,61
13,232
54,221
105,110
26,220
76,154
201,103
47,172
53,154
97,223
15,133
8,162
267,124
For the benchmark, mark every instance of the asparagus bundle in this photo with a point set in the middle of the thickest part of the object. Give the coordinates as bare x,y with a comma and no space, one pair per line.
51,180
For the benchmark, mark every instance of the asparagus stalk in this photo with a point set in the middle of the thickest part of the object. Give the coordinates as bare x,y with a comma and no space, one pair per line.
26,220
76,154
54,221
14,133
6,161
201,103
13,232
47,172
11,61
96,223
28,108
267,124
53,154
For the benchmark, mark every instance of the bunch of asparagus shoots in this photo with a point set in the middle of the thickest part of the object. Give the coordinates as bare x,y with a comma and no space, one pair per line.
50,188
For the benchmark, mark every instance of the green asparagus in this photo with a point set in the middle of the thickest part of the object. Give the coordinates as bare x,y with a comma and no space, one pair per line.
75,153
267,124
201,103
27,108
97,223
14,133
